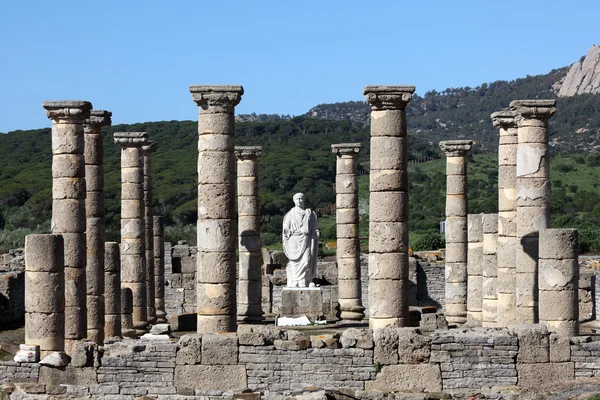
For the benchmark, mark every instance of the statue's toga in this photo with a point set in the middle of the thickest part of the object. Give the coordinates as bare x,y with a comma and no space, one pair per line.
300,243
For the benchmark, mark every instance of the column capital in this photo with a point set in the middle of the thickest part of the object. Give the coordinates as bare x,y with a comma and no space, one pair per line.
504,120
131,139
68,111
456,148
388,97
247,152
219,98
149,147
99,118
533,109
342,149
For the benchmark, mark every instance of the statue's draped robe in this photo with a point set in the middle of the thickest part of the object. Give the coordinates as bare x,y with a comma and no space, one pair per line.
301,245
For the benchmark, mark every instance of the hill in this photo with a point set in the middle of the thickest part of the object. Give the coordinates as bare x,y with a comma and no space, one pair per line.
296,158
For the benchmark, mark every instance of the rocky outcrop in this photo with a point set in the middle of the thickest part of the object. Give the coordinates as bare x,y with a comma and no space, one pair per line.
583,76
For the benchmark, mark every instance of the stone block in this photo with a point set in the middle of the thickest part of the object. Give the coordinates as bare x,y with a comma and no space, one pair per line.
219,349
298,343
543,375
413,378
560,348
82,354
189,350
386,346
68,375
211,377
413,347
298,302
533,344
259,335
363,337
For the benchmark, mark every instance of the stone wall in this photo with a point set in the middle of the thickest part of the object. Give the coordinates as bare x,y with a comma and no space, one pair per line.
358,361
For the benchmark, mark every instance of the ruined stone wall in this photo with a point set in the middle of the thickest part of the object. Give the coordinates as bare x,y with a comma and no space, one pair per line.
268,359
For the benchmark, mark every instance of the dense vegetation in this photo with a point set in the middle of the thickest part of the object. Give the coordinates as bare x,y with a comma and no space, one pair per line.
297,158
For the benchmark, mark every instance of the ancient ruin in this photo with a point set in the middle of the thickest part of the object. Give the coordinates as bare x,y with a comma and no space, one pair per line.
498,269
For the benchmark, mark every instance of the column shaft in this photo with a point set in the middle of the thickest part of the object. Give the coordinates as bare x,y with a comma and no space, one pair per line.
148,231
216,288
133,246
507,217
456,229
68,207
490,270
533,198
159,268
112,291
249,307
44,293
348,244
94,209
388,206
475,269
559,281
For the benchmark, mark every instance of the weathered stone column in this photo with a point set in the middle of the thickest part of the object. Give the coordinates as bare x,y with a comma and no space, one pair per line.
456,229
127,329
475,269
148,231
559,281
490,270
45,293
68,207
348,244
249,306
216,289
507,217
159,268
533,198
133,248
112,291
388,206
94,210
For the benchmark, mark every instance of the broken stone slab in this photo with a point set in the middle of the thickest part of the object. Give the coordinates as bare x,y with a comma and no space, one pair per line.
299,343
56,359
150,336
160,329
28,353
330,341
289,321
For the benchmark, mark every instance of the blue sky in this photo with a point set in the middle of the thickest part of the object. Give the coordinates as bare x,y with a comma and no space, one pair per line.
138,58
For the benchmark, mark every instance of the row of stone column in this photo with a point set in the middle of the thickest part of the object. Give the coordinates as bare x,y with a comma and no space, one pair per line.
88,295
504,276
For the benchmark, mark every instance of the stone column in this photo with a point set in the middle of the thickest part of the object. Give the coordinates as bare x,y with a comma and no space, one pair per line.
133,248
559,281
127,329
490,270
68,207
112,291
249,306
388,206
148,231
507,217
533,198
474,269
216,289
94,210
456,229
159,268
45,293
348,244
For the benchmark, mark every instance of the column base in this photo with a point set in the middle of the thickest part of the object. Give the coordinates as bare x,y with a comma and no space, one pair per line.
96,336
351,309
474,318
161,317
399,322
216,323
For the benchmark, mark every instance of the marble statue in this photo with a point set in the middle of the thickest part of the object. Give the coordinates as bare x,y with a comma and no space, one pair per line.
300,243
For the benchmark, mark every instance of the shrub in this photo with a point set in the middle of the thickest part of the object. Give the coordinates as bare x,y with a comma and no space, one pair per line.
430,240
589,240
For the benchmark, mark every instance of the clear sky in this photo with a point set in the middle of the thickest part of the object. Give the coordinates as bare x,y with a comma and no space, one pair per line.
138,58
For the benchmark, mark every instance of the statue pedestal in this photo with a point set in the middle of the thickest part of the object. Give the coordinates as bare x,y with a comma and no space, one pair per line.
297,302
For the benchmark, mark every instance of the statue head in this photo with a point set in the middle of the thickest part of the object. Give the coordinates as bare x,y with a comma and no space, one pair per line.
299,200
